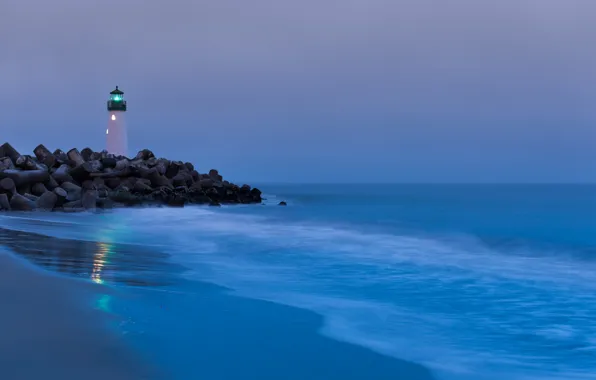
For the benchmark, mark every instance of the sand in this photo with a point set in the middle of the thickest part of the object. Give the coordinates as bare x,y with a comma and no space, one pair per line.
48,332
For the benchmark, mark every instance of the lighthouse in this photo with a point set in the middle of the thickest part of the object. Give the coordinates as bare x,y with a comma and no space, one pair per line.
116,138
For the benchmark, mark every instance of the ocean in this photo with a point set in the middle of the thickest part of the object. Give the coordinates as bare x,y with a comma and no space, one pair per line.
375,281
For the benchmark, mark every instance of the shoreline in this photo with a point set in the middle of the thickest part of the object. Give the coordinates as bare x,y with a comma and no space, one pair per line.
194,328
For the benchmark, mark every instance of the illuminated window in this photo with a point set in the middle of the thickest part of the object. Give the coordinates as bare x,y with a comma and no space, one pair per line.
113,117
107,131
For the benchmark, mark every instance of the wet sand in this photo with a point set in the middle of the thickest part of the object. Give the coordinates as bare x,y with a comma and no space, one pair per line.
46,332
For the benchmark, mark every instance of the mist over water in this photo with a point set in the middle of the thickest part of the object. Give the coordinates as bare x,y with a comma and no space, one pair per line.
469,304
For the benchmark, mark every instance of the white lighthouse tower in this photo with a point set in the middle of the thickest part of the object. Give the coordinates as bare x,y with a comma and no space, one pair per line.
116,135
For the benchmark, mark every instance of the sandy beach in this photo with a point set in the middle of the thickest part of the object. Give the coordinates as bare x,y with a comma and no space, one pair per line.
47,334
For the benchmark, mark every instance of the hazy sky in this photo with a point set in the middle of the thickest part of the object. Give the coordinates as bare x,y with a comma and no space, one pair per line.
313,90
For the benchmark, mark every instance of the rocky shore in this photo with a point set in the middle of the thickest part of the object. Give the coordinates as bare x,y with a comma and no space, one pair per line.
88,180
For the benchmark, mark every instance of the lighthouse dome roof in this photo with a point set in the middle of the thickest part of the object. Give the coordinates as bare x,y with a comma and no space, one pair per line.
116,92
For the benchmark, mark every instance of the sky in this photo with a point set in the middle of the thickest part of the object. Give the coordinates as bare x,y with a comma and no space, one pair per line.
313,90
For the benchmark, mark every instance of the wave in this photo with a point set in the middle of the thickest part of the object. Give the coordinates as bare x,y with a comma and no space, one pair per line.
450,303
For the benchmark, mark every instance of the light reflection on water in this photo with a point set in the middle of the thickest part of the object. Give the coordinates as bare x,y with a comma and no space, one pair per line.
99,260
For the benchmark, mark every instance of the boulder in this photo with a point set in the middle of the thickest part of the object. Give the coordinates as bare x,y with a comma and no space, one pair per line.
105,203
189,166
25,163
140,187
83,172
173,169
179,180
73,192
61,175
61,195
75,156
108,162
51,183
122,164
31,197
6,163
206,183
176,201
74,206
144,154
87,153
95,156
113,183
21,203
158,180
7,186
6,150
27,177
162,166
47,201
4,203
44,156
38,189
24,189
89,199
124,197
88,185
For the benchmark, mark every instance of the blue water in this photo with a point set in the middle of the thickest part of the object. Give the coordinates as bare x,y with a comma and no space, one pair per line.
352,282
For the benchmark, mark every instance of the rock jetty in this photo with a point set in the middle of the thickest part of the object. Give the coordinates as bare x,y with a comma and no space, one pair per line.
88,180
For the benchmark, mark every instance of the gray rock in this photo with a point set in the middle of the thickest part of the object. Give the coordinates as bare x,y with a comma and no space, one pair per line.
6,150
173,169
7,186
113,183
87,153
206,183
51,183
44,156
61,175
122,164
75,206
105,203
83,172
75,156
109,162
89,200
179,180
21,203
158,180
26,177
4,203
162,166
144,154
31,197
73,192
61,195
25,163
140,187
38,189
6,163
47,201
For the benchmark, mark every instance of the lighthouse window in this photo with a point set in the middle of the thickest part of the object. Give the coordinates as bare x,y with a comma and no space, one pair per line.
113,117
107,131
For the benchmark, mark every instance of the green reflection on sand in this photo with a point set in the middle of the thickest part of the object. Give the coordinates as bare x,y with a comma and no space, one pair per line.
103,303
